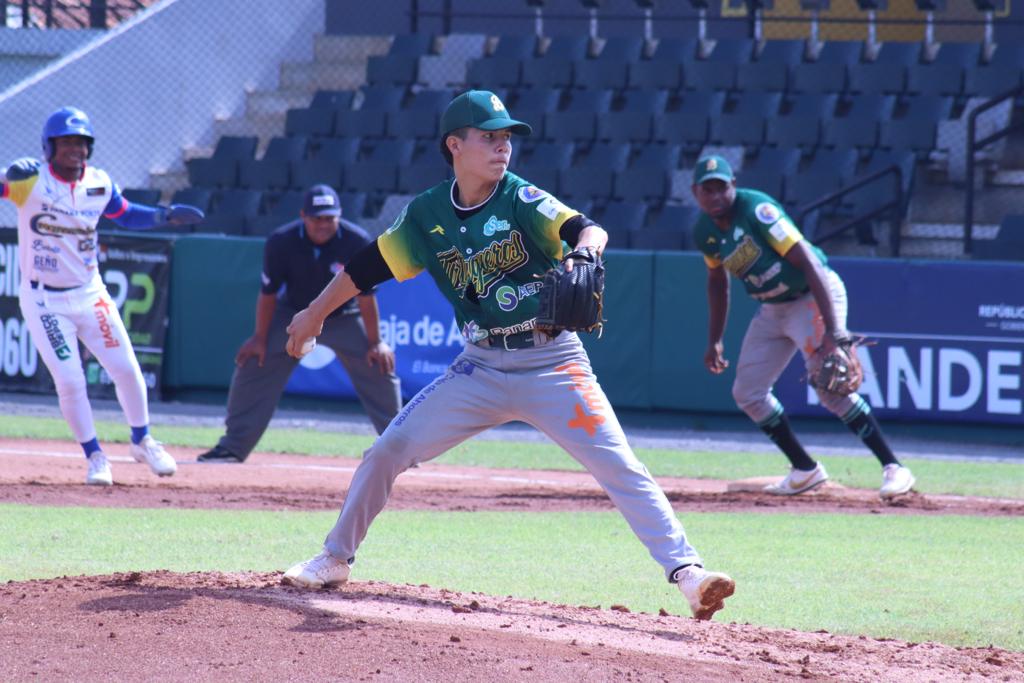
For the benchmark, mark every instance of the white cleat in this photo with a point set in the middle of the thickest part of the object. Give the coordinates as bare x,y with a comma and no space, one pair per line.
896,480
319,572
799,481
705,591
151,452
99,470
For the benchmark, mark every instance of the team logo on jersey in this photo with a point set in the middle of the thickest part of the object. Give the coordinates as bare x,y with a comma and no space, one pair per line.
530,194
493,225
102,313
509,297
437,229
55,336
95,191
485,267
497,104
767,213
42,224
743,257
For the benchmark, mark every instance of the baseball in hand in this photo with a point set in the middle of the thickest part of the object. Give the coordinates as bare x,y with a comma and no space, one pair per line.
308,347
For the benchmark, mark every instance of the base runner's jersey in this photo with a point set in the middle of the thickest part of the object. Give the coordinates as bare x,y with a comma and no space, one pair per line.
57,243
754,247
489,265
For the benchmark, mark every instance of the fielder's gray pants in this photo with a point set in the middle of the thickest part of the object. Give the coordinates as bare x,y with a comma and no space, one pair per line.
255,391
550,387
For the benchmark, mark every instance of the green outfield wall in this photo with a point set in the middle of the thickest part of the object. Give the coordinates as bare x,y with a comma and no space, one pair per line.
650,354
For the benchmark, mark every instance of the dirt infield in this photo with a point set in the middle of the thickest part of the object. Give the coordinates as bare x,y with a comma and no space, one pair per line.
166,626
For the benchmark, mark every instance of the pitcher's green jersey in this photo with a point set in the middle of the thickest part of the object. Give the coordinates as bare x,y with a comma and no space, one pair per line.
489,265
754,247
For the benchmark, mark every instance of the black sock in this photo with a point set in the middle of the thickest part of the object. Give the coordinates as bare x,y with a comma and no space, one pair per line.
778,430
866,427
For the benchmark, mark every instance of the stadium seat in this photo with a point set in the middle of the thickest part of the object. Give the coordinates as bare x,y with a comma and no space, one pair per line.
935,79
423,173
146,196
309,122
918,127
411,45
493,72
377,171
332,99
369,119
578,120
688,125
285,149
343,150
629,215
609,70
677,218
212,172
888,73
657,239
316,171
744,124
771,70
236,147
783,160
420,118
1008,244
591,176
353,205
633,121
391,70
768,180
263,174
230,212
517,47
648,177
991,81
572,47
196,196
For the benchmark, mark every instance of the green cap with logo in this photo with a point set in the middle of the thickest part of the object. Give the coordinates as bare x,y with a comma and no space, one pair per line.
479,109
712,168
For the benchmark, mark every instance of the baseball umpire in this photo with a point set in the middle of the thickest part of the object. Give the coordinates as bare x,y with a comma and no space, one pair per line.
62,297
747,233
485,239
299,259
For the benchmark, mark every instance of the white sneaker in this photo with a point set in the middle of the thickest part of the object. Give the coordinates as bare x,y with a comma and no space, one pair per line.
799,481
151,452
321,571
705,591
99,470
896,480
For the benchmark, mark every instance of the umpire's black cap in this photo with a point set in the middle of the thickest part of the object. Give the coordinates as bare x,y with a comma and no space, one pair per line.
321,200
479,109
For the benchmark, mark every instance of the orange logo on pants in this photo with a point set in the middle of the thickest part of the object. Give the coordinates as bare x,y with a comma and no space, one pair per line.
582,382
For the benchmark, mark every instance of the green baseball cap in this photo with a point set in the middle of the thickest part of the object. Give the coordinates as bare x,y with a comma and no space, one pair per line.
479,109
712,168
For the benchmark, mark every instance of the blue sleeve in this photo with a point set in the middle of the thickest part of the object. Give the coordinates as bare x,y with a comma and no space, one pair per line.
134,216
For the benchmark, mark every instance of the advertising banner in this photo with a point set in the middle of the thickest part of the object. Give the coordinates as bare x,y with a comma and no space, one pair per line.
415,320
948,341
136,271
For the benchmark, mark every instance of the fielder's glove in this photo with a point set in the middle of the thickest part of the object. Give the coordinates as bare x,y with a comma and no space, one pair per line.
573,300
837,371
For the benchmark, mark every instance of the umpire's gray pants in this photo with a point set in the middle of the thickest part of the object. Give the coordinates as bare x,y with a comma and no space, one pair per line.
255,390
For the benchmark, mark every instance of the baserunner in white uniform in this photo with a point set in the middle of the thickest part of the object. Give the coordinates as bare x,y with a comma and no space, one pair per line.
62,297
485,238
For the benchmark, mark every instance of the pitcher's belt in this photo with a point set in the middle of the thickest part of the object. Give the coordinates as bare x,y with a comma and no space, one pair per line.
50,288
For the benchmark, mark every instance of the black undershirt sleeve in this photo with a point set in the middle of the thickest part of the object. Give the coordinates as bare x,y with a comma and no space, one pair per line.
368,268
571,229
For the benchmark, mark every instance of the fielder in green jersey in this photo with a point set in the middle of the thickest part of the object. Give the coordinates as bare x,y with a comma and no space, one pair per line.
748,234
485,238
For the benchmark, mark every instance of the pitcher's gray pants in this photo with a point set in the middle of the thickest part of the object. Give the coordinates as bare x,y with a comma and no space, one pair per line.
550,387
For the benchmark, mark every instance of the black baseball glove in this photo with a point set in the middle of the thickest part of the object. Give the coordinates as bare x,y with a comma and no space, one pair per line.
573,300
837,371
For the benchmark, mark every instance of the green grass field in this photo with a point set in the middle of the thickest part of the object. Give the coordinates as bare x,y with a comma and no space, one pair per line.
993,480
953,579
957,580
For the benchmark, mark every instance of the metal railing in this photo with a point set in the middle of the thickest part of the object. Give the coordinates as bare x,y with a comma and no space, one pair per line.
71,14
973,146
894,207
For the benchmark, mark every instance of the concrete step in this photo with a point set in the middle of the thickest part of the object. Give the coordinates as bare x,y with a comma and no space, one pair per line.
333,48
264,127
1012,177
264,102
313,76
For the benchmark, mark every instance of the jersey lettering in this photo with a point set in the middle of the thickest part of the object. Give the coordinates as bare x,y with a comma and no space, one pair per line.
743,257
485,267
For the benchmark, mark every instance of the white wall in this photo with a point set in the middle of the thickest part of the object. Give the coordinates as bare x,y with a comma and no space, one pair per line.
154,85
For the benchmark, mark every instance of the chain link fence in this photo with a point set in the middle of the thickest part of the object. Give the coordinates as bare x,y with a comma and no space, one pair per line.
239,106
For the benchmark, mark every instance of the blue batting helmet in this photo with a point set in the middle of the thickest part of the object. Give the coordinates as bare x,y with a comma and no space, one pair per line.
66,121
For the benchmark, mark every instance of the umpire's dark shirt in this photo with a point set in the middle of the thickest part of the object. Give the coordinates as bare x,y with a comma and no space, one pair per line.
303,269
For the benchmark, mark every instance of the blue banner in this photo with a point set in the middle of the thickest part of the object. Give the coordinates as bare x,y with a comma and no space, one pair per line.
948,341
415,320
